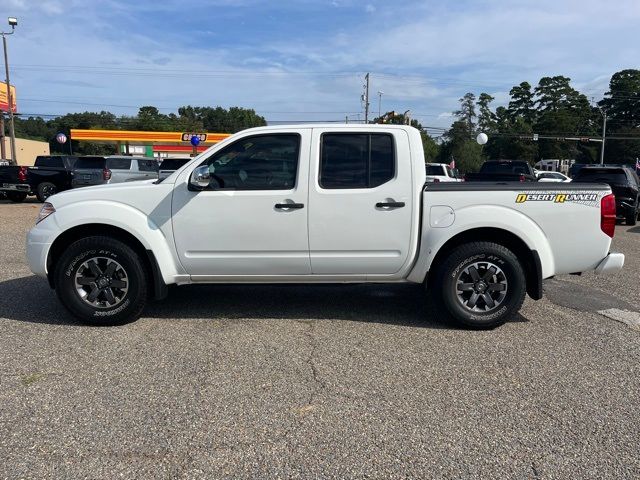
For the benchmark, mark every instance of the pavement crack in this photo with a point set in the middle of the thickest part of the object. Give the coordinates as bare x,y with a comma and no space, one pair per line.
319,383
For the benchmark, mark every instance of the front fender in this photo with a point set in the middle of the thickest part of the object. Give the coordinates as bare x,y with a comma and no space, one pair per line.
158,239
482,216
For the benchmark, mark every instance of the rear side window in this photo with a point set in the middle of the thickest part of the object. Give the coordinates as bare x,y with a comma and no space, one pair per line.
51,162
356,160
506,167
147,165
119,163
90,162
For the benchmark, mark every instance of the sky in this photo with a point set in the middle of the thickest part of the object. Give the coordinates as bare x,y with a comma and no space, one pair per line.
305,60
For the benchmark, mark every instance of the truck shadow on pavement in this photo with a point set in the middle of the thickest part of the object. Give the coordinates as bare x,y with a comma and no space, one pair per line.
29,299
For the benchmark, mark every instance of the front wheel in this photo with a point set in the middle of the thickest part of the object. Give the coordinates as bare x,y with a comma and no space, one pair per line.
481,284
102,281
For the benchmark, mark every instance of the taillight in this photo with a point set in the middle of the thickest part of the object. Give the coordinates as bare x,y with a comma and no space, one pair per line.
106,174
522,179
22,174
608,214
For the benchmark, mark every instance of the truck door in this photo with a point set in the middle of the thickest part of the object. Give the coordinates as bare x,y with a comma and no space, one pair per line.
360,202
252,219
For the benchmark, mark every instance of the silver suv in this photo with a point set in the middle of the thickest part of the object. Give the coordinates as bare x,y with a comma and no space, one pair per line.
113,169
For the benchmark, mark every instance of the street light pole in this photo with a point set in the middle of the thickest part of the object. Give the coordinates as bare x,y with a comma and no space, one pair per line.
604,134
12,22
380,93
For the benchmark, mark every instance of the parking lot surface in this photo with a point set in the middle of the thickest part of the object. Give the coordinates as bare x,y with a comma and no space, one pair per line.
319,382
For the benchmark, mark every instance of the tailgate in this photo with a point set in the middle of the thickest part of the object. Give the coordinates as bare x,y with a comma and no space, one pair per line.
88,176
9,174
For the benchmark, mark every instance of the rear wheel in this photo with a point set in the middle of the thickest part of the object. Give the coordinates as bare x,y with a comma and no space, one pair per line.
481,284
16,197
45,190
102,281
632,218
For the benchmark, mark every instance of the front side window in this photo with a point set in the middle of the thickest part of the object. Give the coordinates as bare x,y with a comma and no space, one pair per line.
261,162
356,160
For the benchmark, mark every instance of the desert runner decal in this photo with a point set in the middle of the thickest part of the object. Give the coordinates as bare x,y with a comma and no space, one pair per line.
591,199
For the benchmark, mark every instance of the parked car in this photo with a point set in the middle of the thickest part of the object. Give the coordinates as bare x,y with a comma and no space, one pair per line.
113,169
503,171
170,165
318,204
49,175
440,172
552,177
624,183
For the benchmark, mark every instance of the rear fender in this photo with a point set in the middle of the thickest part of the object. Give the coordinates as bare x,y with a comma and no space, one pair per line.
476,217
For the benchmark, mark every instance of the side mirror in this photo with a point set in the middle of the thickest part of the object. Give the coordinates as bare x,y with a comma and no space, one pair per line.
200,177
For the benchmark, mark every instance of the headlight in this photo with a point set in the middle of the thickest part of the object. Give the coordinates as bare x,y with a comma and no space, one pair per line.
46,210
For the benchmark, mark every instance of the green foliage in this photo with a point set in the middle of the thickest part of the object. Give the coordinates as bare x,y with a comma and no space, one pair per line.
429,145
553,109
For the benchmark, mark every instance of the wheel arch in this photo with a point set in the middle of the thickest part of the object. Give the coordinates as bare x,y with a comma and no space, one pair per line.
72,234
529,259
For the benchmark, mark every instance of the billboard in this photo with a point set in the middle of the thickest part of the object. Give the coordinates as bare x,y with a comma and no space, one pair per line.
4,101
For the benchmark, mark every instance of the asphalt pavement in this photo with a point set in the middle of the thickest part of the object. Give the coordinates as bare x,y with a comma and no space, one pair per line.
318,382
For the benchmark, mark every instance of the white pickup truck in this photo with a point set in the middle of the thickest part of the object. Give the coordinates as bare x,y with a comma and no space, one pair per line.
319,204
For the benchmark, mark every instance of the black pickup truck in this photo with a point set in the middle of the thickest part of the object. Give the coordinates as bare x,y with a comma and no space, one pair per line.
503,171
50,174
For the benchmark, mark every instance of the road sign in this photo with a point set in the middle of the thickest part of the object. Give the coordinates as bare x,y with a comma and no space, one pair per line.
535,137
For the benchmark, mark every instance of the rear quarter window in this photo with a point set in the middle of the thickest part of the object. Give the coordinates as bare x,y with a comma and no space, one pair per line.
148,165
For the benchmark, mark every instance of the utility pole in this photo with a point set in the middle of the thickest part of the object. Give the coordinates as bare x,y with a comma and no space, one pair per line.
12,22
380,93
366,99
604,133
3,151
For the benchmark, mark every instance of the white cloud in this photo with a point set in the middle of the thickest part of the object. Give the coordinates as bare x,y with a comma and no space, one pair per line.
370,8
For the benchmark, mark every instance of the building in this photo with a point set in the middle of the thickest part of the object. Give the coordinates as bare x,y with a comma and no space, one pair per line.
26,150
149,144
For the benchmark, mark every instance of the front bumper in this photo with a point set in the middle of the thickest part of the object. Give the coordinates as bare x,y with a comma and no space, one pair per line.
611,263
39,241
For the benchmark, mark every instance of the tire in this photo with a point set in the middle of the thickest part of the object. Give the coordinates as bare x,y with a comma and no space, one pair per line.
16,197
117,268
632,218
470,265
45,190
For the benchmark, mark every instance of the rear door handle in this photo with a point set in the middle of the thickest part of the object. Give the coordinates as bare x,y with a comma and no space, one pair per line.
286,206
389,204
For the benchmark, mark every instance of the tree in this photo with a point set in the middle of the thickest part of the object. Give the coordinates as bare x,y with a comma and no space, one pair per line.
552,93
521,104
221,120
460,146
467,111
486,118
622,101
429,145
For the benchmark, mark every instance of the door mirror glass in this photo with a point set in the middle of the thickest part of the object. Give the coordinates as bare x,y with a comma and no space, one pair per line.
200,177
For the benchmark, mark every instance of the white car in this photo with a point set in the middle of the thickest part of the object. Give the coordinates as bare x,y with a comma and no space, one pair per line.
319,204
440,172
552,177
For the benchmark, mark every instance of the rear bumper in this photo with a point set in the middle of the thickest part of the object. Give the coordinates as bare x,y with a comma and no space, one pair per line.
611,263
15,187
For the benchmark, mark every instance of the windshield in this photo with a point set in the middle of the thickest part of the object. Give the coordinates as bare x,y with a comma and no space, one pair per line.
173,163
91,162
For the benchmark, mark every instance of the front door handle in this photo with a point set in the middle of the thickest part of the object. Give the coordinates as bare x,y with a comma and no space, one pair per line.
389,204
285,206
